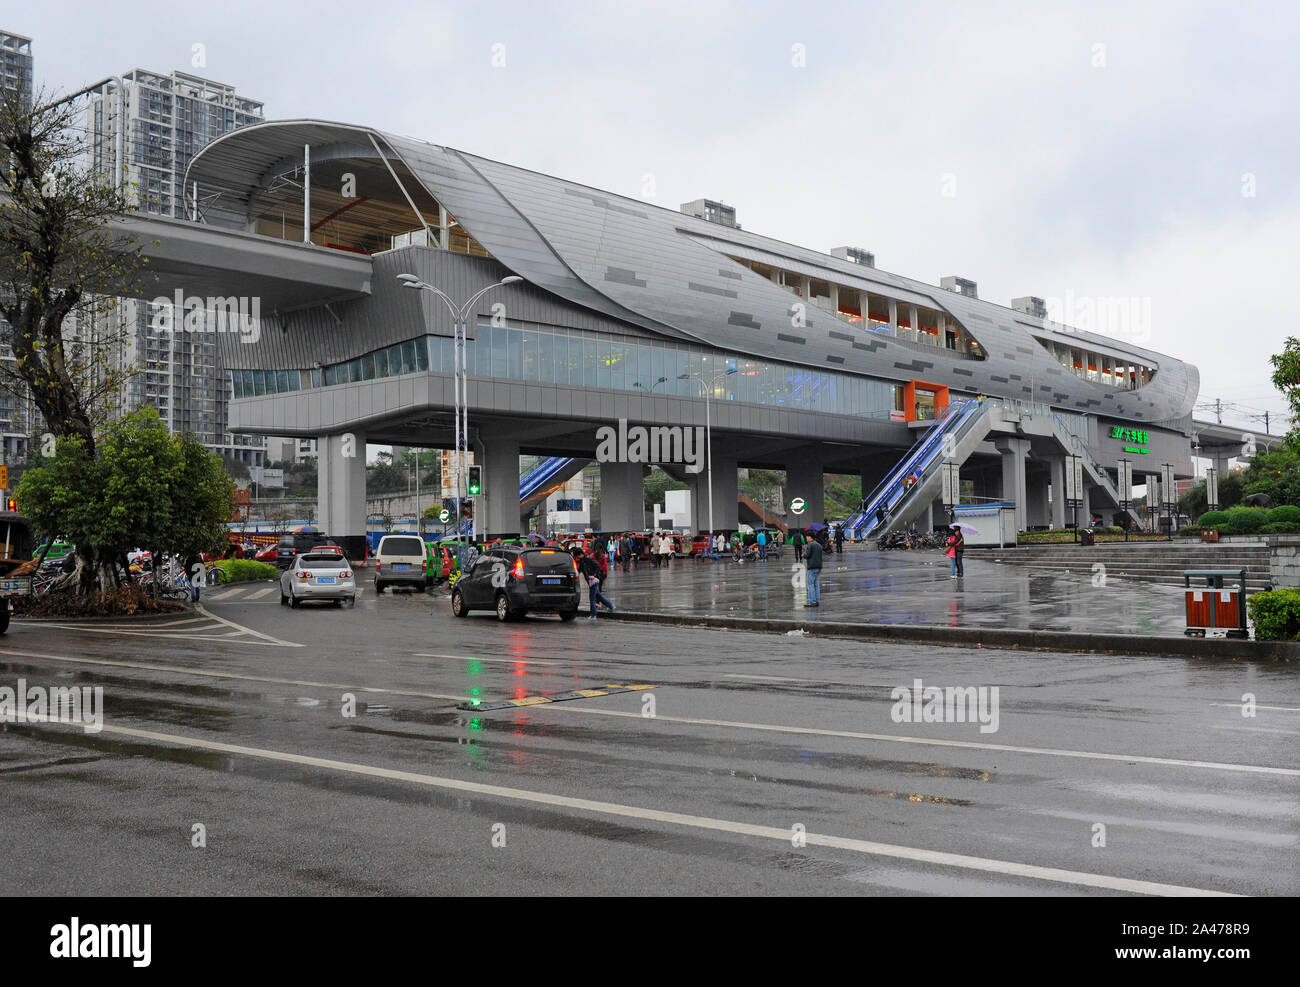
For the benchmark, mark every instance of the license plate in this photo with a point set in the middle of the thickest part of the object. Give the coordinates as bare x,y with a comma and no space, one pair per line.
11,586
325,579
401,567
551,581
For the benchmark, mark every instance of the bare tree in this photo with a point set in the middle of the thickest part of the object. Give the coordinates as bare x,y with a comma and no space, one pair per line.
62,265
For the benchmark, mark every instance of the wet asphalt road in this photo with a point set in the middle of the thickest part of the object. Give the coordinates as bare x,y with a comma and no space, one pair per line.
772,763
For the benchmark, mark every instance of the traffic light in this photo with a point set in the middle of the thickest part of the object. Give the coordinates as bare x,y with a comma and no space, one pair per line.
475,480
467,510
11,505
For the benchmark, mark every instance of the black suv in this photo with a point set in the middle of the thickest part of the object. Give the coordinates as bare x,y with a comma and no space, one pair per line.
296,544
514,581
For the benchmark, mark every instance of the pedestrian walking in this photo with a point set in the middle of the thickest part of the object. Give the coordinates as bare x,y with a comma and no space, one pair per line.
839,539
797,540
590,569
666,551
762,545
956,545
654,550
625,552
813,573
198,577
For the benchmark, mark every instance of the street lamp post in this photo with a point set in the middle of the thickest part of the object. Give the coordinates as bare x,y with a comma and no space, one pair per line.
651,388
460,317
708,438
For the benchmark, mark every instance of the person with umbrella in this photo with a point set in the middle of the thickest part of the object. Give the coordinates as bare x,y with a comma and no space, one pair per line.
956,545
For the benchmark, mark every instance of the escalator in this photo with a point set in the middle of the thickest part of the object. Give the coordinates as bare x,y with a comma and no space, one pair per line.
958,426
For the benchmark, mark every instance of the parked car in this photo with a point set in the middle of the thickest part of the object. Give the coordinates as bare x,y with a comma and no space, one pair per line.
401,560
318,575
513,581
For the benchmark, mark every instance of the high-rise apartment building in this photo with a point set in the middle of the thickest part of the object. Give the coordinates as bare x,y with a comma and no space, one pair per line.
15,401
167,119
16,63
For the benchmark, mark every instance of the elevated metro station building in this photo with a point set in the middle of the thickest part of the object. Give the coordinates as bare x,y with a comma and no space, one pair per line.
624,309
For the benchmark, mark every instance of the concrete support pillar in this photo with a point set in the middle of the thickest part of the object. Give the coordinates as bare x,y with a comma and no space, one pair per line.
1013,476
1085,512
835,300
498,506
341,484
893,314
1036,482
622,497
1061,515
726,491
913,318
803,478
805,287
864,303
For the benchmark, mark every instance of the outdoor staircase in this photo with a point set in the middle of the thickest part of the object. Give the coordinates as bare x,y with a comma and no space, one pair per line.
1161,563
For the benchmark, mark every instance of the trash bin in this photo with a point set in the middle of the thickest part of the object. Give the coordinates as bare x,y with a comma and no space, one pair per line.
1085,537
1215,605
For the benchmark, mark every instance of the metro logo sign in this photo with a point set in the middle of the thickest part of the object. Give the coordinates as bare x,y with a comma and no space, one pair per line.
1125,434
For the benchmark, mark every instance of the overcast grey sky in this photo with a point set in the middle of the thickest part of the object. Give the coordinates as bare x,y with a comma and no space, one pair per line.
1075,151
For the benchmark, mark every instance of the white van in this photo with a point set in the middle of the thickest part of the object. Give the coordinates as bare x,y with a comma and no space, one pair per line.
400,561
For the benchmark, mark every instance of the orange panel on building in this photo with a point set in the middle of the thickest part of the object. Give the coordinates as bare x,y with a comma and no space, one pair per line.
940,392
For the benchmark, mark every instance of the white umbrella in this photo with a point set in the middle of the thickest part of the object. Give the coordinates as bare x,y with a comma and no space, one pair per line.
970,529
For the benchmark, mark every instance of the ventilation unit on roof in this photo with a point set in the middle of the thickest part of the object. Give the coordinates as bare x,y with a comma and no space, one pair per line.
855,255
960,285
1030,305
713,212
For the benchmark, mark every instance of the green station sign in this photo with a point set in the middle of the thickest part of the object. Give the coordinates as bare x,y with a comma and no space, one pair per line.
1131,435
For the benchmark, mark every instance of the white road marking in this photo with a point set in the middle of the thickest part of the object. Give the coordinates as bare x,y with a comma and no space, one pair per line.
933,742
247,630
226,594
507,661
1284,709
867,847
792,678
260,593
191,636
207,673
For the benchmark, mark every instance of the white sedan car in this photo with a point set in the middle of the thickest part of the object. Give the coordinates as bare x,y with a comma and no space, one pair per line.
318,576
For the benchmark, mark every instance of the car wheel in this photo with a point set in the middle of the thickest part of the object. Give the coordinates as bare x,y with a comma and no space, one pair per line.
504,612
379,587
419,587
458,607
284,600
293,601
4,616
568,615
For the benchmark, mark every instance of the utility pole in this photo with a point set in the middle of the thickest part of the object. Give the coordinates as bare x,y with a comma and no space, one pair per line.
1218,410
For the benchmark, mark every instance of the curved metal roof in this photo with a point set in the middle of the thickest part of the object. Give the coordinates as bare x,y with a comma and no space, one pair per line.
667,272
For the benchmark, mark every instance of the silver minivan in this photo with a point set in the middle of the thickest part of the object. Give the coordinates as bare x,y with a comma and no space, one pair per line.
400,561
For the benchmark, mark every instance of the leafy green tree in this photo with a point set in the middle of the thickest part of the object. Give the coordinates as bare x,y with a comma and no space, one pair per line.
1276,473
1286,374
1194,504
143,488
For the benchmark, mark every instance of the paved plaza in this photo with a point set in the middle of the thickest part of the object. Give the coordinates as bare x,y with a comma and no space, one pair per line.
903,587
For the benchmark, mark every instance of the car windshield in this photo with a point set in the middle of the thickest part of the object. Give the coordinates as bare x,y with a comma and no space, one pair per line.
286,542
546,560
322,561
402,546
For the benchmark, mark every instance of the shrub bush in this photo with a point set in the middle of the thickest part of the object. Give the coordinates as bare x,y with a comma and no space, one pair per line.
1286,514
1280,529
246,570
1246,520
1190,531
1213,519
1276,614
